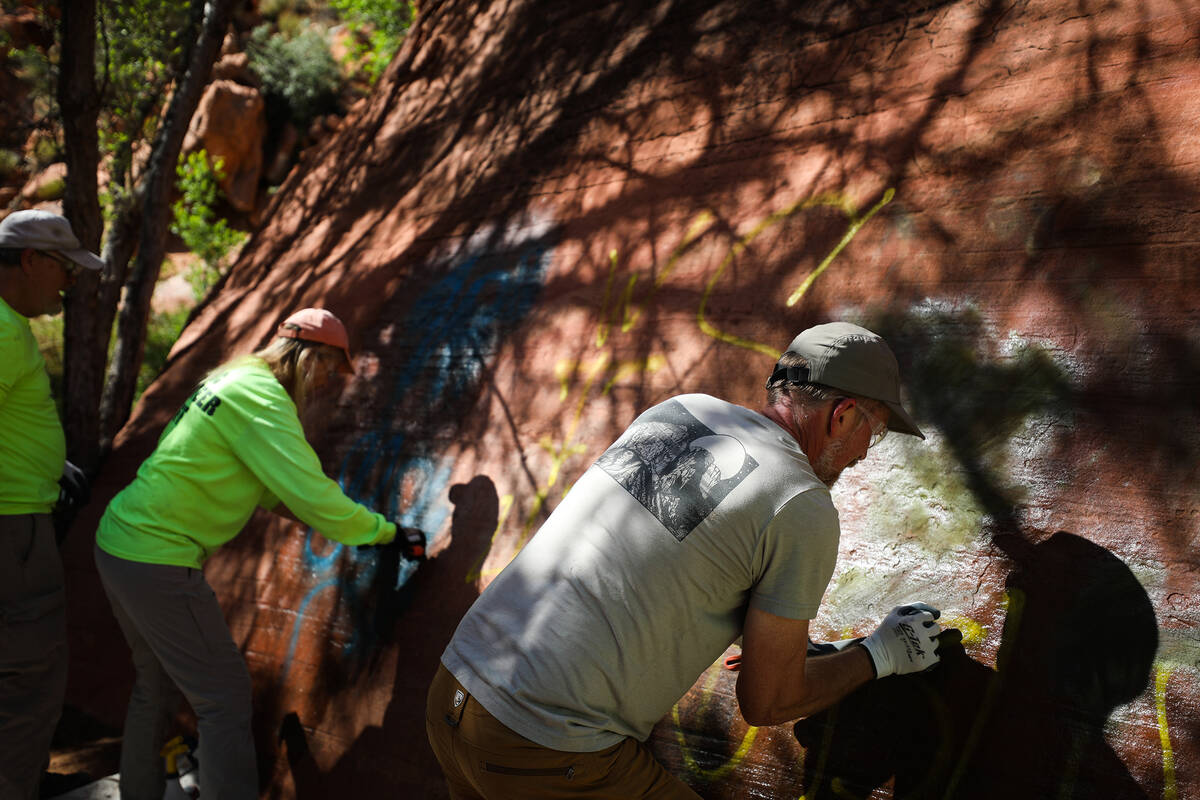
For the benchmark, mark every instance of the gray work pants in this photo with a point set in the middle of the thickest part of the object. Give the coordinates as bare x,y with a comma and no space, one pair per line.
33,650
178,636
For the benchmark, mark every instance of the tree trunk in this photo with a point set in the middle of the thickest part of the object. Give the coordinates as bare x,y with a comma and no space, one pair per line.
132,317
84,340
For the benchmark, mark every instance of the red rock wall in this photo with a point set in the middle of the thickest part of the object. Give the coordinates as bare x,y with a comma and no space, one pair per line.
548,217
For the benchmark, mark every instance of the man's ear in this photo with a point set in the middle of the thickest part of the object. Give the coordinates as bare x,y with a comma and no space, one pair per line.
840,420
27,261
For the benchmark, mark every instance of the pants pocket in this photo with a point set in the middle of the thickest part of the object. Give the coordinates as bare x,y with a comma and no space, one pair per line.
567,772
205,611
31,609
31,573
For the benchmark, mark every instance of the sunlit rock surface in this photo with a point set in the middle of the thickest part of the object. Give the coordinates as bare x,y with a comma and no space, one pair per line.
548,217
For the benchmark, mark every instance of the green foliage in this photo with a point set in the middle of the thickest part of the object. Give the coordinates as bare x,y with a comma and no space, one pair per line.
195,220
299,76
36,66
383,22
272,9
138,45
10,163
52,190
48,333
161,332
138,51
46,149
391,17
289,24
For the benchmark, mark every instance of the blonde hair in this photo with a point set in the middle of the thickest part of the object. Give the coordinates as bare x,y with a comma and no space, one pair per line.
291,361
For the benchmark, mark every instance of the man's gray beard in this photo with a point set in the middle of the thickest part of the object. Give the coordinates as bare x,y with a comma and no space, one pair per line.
823,466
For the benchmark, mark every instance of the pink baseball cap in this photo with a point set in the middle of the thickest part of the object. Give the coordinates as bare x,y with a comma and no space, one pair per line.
320,326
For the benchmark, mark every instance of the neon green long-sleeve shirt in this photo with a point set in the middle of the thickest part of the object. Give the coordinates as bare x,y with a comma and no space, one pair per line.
33,448
235,444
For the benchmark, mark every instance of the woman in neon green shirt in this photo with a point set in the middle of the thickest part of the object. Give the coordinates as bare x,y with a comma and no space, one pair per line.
236,444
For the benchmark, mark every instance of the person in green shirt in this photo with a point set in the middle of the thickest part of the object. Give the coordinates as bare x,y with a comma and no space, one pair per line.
40,259
235,445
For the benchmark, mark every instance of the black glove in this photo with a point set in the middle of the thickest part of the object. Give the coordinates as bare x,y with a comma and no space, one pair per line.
73,486
409,541
74,491
824,648
412,543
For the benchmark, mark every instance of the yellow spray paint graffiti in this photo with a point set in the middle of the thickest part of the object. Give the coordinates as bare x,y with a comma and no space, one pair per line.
594,376
1014,600
580,380
972,632
1162,674
689,760
560,452
582,376
1015,605
823,753
627,312
925,789
699,226
856,223
835,200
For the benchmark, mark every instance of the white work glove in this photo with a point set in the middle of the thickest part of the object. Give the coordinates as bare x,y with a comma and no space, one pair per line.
904,642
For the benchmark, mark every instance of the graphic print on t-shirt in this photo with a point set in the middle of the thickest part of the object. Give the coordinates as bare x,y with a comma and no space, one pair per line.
676,466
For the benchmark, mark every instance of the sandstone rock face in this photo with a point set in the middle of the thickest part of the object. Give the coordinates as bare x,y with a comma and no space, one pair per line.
234,67
548,218
230,123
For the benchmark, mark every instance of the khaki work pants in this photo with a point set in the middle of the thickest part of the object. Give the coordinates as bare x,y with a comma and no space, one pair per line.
33,650
484,760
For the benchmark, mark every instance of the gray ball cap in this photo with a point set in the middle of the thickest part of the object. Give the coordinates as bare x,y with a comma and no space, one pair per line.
41,230
844,356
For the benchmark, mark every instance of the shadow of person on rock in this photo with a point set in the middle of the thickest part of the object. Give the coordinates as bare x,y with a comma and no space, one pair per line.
416,620
1079,640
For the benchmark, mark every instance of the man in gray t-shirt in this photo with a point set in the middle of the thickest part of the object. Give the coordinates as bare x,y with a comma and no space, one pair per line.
703,522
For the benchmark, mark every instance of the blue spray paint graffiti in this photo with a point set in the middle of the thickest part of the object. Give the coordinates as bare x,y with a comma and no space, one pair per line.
450,333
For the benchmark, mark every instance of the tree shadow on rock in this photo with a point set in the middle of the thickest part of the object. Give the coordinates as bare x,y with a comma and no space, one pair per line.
978,398
1079,640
